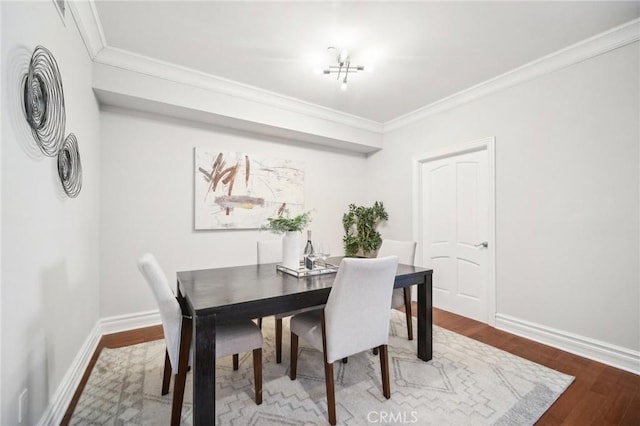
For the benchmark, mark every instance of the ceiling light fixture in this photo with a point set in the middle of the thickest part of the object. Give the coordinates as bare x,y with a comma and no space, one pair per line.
344,67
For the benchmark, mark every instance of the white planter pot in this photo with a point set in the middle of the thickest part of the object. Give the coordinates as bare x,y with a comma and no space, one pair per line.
291,250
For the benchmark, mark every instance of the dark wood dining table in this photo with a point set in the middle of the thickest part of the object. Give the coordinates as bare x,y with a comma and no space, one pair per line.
219,295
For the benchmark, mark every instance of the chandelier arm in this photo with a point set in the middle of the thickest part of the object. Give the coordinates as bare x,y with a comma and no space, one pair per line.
334,69
343,67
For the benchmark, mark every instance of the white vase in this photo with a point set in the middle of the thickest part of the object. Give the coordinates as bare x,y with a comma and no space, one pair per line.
291,250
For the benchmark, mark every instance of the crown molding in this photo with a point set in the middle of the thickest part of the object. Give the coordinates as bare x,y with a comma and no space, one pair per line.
597,45
90,28
124,59
88,23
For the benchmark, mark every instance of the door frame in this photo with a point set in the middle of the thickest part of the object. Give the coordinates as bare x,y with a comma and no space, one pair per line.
487,144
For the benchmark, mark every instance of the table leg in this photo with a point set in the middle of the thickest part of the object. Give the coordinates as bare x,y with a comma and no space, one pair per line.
204,374
425,318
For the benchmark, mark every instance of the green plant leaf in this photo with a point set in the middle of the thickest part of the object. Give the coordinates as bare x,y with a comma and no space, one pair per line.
284,223
360,224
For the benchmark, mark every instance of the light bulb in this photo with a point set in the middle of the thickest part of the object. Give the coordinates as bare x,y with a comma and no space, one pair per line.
343,87
343,56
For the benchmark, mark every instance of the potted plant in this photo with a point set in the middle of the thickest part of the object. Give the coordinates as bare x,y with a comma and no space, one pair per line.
360,222
290,227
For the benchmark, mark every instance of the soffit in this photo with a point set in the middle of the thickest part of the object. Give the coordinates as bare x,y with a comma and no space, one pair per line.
422,51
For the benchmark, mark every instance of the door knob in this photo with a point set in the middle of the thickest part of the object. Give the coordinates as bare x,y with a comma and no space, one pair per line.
483,244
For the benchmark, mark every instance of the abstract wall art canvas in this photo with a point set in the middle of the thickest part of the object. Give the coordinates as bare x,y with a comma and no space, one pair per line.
235,190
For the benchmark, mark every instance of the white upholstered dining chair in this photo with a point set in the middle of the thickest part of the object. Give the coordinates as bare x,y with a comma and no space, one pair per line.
355,319
231,339
406,252
270,251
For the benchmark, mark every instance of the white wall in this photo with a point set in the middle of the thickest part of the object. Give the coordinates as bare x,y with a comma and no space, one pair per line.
49,242
568,190
567,193
147,200
1,137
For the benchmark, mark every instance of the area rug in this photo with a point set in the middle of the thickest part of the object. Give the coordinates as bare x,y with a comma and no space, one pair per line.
466,383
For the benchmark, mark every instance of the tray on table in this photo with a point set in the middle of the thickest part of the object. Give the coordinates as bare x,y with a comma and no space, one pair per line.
320,268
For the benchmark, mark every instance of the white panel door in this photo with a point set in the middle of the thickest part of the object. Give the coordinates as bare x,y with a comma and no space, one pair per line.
455,231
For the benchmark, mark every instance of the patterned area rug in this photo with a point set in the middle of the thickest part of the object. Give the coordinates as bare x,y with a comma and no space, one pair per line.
466,383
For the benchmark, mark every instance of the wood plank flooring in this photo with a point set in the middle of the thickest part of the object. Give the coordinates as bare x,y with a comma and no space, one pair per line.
115,340
600,395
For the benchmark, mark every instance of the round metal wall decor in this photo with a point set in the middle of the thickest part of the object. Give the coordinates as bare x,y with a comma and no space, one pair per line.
44,101
69,166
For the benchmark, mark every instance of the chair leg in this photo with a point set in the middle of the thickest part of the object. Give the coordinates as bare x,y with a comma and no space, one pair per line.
407,310
166,376
328,375
257,374
384,369
375,351
236,362
181,377
278,340
345,360
331,397
260,323
294,357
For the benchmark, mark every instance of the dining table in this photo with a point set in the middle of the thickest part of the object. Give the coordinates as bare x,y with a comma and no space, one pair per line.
221,295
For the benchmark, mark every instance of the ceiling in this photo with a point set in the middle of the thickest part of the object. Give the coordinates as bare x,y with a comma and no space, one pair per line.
420,52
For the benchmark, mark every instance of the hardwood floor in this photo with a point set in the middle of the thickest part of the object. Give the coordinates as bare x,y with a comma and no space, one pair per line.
600,395
115,340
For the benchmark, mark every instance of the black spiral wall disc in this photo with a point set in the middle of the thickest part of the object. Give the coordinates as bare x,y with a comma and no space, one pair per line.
44,101
70,167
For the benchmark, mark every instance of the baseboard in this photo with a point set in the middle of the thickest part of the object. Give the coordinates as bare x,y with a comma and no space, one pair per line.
127,322
60,401
606,353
